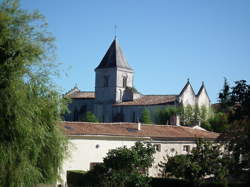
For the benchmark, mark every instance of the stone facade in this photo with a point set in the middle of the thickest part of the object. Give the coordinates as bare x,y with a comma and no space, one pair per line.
116,99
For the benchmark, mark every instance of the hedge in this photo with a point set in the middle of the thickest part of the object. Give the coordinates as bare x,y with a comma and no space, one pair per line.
84,179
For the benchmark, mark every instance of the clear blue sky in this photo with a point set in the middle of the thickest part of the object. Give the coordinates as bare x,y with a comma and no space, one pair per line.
165,41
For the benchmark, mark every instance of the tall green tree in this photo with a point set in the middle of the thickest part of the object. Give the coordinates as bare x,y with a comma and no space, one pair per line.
224,96
163,116
146,117
238,132
32,146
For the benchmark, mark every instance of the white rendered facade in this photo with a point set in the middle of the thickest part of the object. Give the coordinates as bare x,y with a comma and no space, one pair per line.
85,150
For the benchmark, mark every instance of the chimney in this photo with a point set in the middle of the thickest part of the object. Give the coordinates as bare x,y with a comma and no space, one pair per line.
139,126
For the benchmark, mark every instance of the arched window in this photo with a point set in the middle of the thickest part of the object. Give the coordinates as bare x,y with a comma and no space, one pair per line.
106,81
124,82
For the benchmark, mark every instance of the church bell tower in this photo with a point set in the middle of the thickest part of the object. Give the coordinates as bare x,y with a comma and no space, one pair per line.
113,76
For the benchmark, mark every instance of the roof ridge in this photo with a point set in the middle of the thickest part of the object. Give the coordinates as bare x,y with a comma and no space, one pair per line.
120,123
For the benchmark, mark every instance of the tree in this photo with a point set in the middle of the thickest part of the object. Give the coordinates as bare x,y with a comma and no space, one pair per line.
224,96
238,132
219,122
32,146
188,115
90,117
206,159
164,115
145,117
125,166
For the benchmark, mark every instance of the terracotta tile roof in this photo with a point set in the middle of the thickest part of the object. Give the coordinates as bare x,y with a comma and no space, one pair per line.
81,95
150,100
130,130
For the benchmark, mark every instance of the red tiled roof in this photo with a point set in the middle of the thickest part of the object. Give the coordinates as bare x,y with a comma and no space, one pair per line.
130,129
82,95
150,100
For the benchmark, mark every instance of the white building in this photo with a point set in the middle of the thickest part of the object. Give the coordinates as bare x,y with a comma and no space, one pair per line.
90,142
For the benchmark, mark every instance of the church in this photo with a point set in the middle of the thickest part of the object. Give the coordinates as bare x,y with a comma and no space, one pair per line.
115,99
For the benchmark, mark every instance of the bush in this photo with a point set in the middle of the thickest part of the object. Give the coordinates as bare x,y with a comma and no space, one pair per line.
90,117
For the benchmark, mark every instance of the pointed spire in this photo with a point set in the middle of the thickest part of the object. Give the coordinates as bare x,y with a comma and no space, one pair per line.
186,86
201,88
114,57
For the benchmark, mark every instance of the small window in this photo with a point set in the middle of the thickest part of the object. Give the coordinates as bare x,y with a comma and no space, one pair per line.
93,164
106,81
157,147
186,148
124,83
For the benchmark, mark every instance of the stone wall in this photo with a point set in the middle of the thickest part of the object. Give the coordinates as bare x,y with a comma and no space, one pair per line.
133,113
78,108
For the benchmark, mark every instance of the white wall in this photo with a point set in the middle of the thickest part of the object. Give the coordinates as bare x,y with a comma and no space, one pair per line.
170,148
83,151
188,97
203,99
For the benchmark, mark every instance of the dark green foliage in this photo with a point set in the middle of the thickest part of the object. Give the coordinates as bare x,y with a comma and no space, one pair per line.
206,125
146,117
224,96
219,122
124,167
162,182
170,182
239,129
83,179
76,178
205,159
32,146
90,117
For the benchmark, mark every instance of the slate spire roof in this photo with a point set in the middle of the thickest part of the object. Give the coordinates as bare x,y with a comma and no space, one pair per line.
185,87
114,57
202,88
